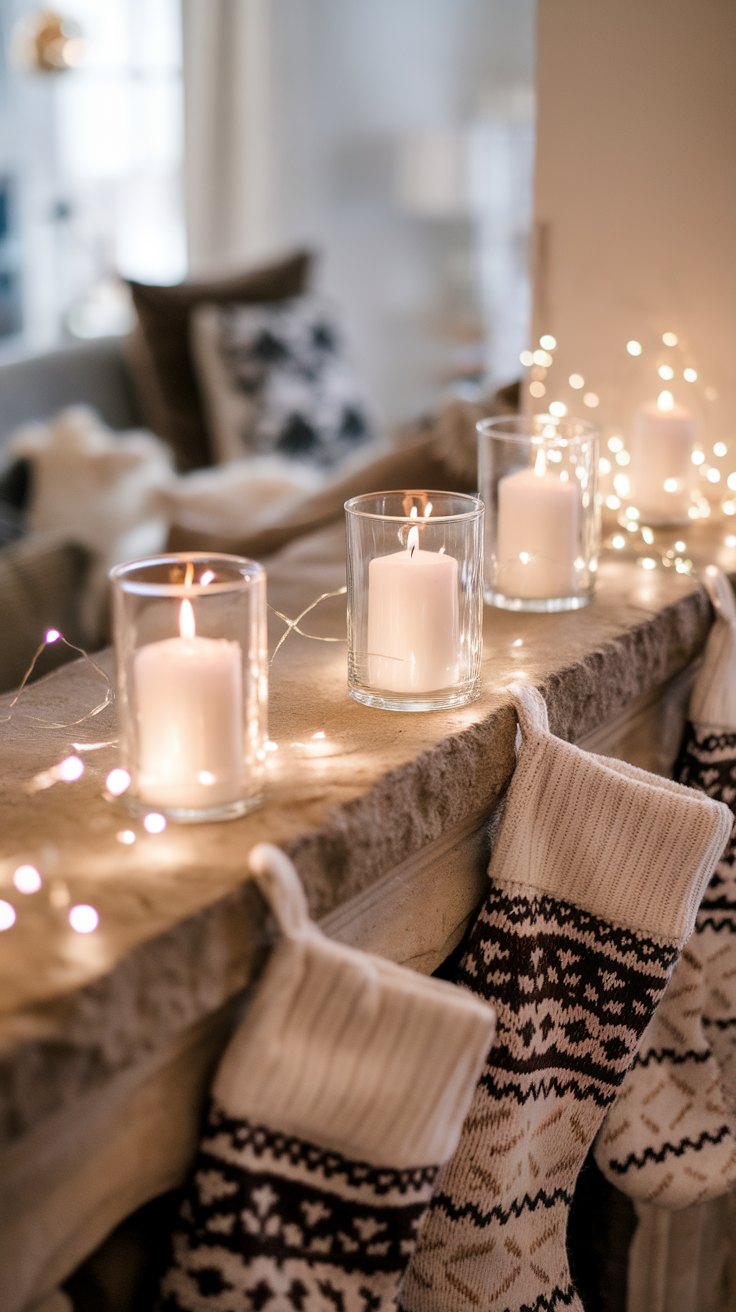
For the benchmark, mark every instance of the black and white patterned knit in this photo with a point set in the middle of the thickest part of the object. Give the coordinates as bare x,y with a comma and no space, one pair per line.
708,762
574,945
272,1222
289,357
572,996
670,1140
344,1086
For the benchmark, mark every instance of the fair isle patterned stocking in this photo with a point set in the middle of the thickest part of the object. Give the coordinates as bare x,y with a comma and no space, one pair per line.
342,1090
596,874
708,762
670,1138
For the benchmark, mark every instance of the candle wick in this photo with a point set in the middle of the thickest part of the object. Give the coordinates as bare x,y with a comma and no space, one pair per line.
411,553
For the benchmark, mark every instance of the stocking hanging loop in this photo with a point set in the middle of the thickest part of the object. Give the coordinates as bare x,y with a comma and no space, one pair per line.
721,594
531,707
280,885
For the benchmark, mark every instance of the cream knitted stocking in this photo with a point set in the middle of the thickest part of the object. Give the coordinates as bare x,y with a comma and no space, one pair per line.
343,1088
670,1138
596,874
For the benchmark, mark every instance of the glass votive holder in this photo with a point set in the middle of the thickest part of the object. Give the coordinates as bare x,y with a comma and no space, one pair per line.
415,599
538,478
192,676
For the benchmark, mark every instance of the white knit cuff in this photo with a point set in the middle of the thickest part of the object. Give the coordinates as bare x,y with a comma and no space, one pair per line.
627,846
713,698
349,1051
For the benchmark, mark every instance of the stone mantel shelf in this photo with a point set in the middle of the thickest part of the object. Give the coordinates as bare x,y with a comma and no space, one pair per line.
382,804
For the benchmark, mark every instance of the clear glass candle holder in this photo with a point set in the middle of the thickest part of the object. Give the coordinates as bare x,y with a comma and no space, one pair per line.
415,599
192,674
538,478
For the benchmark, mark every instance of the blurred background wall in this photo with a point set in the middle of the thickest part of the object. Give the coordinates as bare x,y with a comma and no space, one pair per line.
636,204
400,145
396,137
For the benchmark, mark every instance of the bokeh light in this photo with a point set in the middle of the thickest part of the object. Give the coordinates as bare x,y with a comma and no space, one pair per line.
7,915
83,918
117,781
27,879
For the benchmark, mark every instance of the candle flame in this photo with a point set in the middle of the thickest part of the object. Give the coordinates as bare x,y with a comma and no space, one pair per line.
665,401
207,577
412,542
413,512
189,575
428,510
187,627
540,466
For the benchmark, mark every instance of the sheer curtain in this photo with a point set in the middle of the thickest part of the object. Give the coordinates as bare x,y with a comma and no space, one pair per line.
230,172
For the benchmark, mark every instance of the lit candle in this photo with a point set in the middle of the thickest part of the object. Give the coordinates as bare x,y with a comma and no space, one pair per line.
189,704
538,533
413,619
662,472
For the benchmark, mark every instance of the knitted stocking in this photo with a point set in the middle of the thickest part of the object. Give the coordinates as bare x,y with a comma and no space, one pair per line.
597,871
708,762
341,1091
670,1138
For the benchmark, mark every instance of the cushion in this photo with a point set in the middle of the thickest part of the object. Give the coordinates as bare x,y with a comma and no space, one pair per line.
42,580
98,488
159,356
15,483
276,379
438,451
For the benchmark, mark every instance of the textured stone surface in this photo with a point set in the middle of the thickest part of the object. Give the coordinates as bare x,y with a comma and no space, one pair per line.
179,928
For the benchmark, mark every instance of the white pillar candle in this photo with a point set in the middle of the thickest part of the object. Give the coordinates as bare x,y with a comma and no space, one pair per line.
413,620
189,705
662,472
537,541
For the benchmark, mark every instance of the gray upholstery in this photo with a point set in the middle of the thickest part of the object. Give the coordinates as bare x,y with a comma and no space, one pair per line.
92,373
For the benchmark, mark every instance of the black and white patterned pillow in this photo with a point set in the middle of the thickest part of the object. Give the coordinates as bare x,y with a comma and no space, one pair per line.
289,388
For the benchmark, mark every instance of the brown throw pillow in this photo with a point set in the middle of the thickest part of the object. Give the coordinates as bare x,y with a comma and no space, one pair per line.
159,355
42,580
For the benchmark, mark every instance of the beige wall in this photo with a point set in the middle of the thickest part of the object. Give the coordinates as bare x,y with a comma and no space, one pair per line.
636,202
